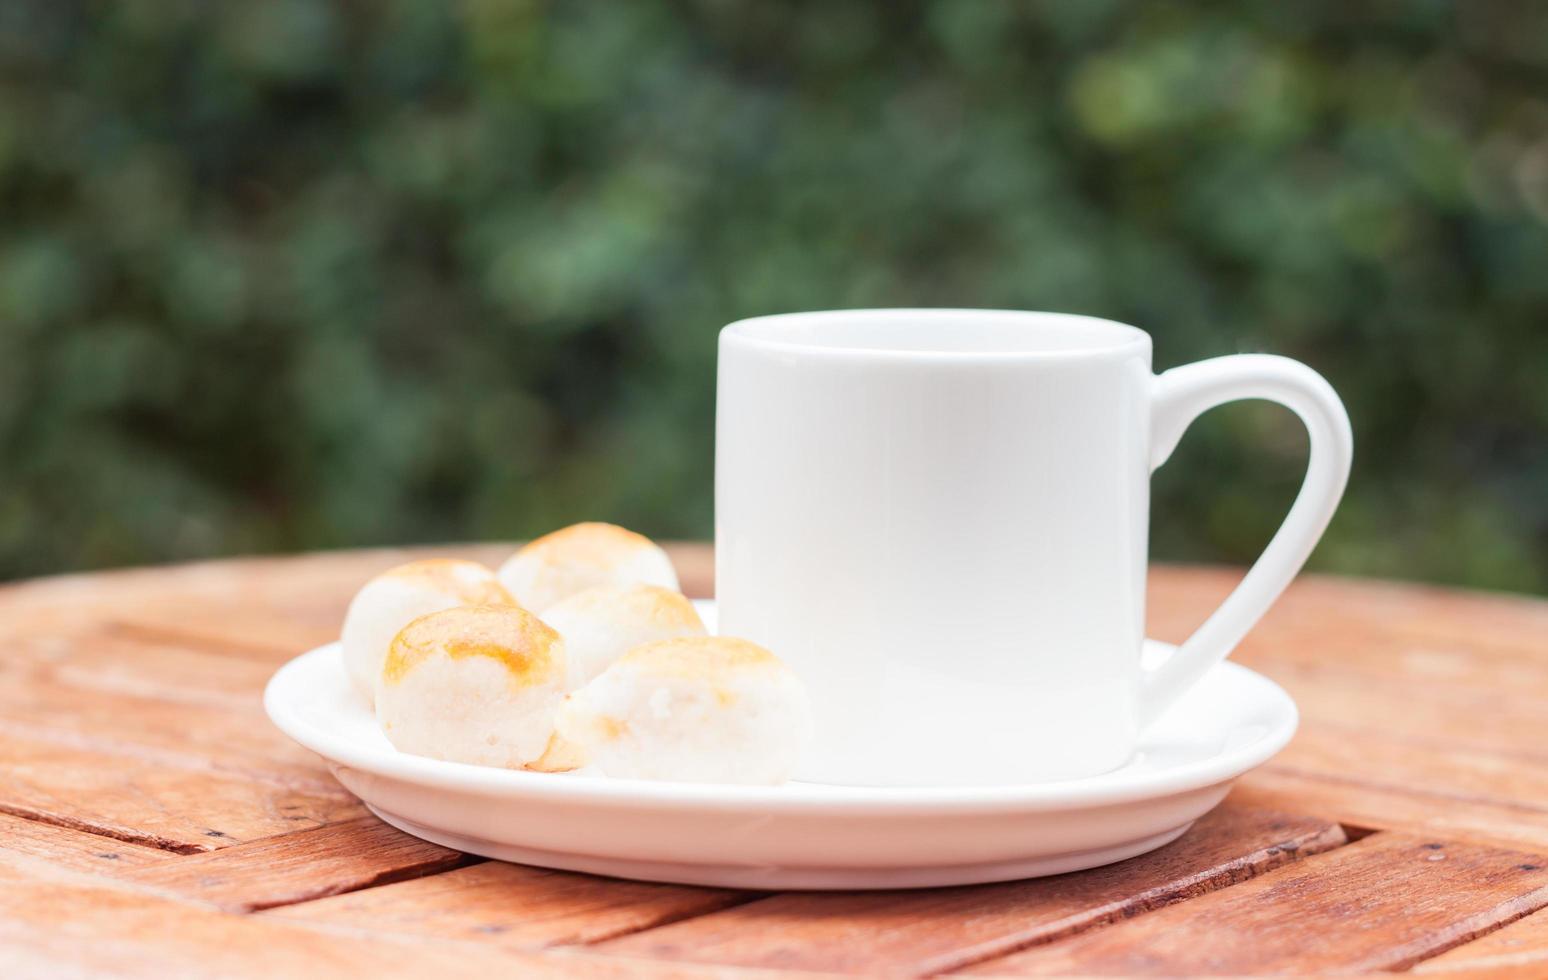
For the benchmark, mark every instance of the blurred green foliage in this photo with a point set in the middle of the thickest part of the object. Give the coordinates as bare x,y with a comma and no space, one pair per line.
286,275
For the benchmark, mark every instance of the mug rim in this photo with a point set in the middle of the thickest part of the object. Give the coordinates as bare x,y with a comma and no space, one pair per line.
791,333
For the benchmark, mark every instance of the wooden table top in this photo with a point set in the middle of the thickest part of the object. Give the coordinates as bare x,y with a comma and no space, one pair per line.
153,823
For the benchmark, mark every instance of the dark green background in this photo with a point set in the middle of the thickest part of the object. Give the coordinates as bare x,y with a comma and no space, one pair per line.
287,275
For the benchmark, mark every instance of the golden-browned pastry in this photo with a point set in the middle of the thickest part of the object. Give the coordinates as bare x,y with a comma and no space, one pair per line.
696,709
393,599
601,625
580,557
477,684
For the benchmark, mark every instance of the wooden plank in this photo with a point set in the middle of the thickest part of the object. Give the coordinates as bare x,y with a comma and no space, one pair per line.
1487,624
512,906
115,736
1400,646
1521,946
55,923
265,634
1441,776
1482,717
299,867
233,741
1365,621
1435,766
87,689
1413,809
1382,903
160,800
51,605
269,608
80,851
91,660
1418,706
1455,669
940,929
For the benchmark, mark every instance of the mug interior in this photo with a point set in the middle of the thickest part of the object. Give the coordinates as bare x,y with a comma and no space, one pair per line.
940,332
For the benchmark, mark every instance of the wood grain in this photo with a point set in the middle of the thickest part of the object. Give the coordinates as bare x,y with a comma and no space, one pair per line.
90,659
1325,609
130,728
1382,903
939,929
1447,669
331,860
513,906
1441,712
1521,946
1381,760
273,609
1375,779
232,740
160,800
55,923
1412,809
74,849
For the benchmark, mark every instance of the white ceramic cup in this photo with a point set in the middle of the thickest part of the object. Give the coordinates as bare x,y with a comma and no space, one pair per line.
939,519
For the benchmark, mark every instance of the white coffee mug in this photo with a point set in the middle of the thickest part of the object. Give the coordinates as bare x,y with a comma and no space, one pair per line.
939,519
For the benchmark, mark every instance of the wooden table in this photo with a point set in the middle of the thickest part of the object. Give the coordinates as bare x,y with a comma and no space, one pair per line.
153,823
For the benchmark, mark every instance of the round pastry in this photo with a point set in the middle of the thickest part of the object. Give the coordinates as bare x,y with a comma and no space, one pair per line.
580,557
601,625
398,596
476,684
695,709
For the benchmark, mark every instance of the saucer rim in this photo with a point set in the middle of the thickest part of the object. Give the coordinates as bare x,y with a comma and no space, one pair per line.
1112,788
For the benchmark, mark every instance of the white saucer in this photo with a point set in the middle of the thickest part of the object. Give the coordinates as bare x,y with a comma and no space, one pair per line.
799,835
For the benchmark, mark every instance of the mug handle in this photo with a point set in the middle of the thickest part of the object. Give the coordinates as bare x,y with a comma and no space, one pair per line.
1183,394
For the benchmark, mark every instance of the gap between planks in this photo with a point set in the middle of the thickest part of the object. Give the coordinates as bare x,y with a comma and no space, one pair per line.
311,864
156,800
933,930
363,876
311,877
1386,903
513,907
73,848
123,836
55,921
1520,949
362,872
